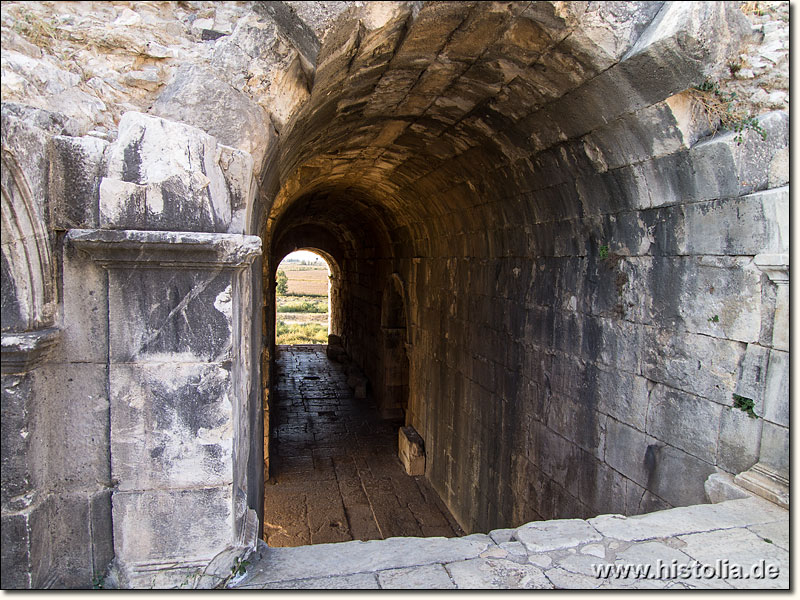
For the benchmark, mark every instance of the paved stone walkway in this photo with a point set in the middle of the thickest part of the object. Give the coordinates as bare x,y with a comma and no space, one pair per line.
549,554
335,475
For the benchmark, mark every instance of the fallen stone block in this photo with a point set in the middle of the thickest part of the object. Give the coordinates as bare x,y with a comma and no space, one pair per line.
411,450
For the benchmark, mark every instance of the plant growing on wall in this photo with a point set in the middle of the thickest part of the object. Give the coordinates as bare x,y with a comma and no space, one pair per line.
723,110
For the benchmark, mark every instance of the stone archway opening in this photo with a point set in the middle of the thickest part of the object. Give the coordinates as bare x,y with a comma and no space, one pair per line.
306,291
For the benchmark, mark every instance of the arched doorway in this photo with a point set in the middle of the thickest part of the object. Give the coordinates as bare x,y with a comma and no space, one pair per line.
304,282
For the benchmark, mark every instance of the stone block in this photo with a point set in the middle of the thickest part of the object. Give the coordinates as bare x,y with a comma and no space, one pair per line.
686,520
740,547
556,535
183,410
16,573
359,557
739,437
159,529
687,37
754,156
720,487
77,423
677,477
411,449
646,134
631,451
70,533
76,167
197,97
19,453
775,448
430,577
753,376
163,176
747,225
579,422
85,316
776,400
184,315
685,421
697,364
102,535
489,573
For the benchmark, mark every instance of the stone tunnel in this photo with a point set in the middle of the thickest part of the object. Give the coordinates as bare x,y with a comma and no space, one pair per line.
528,202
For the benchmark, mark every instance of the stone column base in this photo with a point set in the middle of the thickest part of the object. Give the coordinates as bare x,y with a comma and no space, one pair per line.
765,482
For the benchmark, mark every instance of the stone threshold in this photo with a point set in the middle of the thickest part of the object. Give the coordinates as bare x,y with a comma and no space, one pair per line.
562,554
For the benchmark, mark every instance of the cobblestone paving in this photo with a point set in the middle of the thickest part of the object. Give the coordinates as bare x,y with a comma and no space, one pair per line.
335,475
749,534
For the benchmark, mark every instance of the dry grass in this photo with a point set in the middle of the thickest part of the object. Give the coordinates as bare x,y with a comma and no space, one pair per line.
306,281
301,333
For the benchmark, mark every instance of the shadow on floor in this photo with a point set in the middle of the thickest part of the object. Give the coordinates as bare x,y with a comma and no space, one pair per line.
335,475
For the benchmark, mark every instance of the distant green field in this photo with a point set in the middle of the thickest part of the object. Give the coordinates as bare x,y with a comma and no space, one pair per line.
311,304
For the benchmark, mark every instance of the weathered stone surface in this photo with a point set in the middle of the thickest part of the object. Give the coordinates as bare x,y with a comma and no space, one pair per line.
775,447
196,97
777,533
184,412
159,512
555,535
76,166
739,434
679,521
744,548
354,557
487,573
163,176
687,421
776,401
720,487
431,577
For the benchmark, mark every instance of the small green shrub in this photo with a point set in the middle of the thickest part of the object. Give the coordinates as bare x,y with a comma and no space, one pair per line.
603,252
714,319
745,405
239,567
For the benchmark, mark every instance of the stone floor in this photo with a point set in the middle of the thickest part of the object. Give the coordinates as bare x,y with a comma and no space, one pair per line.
335,475
748,534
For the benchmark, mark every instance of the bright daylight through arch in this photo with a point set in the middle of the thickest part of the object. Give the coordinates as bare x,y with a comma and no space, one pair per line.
302,296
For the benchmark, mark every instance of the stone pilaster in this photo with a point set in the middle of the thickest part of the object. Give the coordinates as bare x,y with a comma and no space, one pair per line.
178,382
769,477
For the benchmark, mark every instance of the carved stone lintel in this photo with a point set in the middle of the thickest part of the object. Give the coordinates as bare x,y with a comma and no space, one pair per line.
170,249
765,482
23,352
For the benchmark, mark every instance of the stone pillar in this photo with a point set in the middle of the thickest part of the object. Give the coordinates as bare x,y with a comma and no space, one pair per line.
179,322
26,558
769,477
